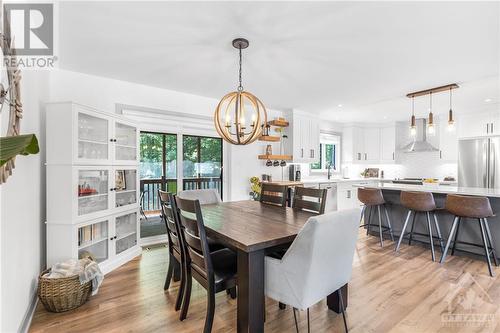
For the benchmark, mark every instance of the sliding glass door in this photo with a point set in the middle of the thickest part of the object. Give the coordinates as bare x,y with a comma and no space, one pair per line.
201,163
201,169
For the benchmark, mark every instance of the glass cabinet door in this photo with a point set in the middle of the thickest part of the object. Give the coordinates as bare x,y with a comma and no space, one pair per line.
93,241
125,187
93,138
126,232
93,192
126,142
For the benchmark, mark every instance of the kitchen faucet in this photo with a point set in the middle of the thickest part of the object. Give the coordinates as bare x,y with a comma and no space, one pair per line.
329,168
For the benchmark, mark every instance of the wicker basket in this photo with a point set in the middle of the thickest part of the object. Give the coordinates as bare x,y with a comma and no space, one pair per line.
62,294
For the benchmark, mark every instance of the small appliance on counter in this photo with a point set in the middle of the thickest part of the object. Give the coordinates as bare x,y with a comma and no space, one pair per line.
294,172
370,173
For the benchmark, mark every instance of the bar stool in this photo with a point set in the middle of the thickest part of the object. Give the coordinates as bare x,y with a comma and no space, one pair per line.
420,202
371,198
472,208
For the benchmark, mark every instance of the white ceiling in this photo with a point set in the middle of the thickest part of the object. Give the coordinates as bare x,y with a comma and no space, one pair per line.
311,56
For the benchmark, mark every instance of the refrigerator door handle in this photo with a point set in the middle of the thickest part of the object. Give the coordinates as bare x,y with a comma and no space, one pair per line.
486,162
492,164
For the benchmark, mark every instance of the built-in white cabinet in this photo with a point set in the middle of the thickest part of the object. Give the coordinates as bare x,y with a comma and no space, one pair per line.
111,240
303,137
479,124
92,185
80,135
448,142
388,144
371,146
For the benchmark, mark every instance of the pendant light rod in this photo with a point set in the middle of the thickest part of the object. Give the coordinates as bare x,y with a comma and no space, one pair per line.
432,90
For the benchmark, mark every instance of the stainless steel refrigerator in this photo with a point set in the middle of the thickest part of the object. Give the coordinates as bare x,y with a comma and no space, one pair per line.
479,162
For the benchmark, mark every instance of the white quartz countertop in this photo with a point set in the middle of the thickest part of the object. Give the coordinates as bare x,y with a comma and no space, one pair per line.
341,180
435,188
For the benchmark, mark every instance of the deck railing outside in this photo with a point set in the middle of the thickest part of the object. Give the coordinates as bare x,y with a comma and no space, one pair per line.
150,188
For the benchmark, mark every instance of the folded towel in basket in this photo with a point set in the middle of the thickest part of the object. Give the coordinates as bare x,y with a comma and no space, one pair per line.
86,269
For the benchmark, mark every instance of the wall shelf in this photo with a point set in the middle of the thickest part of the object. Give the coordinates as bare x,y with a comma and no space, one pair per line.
278,123
269,138
276,157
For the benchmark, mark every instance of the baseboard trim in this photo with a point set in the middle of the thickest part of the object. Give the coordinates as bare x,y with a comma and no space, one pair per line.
28,317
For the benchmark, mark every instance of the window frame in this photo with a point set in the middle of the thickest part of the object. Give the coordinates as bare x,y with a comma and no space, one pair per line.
338,152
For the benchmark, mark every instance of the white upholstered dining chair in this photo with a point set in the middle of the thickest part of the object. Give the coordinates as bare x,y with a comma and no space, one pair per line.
318,263
205,196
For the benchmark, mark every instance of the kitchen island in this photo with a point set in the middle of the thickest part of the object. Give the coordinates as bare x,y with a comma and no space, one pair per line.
469,230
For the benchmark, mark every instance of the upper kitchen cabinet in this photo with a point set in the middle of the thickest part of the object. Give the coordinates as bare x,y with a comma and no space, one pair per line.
78,135
303,137
388,144
361,145
479,124
448,142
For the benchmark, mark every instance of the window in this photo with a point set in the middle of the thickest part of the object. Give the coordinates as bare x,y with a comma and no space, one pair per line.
329,151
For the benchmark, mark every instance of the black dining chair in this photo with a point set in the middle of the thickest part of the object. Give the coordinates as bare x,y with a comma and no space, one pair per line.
215,271
273,194
176,254
310,199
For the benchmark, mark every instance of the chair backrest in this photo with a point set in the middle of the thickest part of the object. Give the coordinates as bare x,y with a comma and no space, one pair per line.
194,237
302,196
370,196
319,261
273,194
168,214
468,206
205,196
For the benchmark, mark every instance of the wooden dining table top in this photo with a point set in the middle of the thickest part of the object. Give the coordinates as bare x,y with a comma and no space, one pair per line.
250,225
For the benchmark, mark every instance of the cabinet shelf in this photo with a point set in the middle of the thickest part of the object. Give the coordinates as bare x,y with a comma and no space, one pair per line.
270,138
92,195
276,157
126,235
278,123
93,242
93,141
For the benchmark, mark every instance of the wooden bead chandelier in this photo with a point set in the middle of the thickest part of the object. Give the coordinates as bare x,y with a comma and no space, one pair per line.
240,116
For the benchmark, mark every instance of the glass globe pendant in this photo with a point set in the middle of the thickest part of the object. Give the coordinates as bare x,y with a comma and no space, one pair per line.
240,116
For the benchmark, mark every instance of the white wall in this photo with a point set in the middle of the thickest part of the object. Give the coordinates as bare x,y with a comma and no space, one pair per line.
22,216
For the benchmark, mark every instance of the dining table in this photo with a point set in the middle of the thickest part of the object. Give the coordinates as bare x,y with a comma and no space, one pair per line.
254,229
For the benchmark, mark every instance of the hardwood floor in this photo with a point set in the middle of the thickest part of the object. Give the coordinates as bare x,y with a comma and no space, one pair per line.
388,293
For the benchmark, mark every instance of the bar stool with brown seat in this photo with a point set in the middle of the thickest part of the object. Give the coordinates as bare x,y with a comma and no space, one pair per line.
471,207
372,198
420,202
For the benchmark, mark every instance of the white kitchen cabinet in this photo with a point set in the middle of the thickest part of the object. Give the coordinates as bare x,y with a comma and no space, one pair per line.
303,137
448,142
79,135
388,144
361,145
479,124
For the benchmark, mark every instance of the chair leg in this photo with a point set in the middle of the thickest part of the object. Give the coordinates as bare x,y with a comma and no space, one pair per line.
281,306
438,230
343,309
170,272
448,242
187,295
490,238
431,239
232,292
380,227
209,320
412,227
180,293
369,222
362,215
389,223
403,231
295,318
456,236
486,247
308,322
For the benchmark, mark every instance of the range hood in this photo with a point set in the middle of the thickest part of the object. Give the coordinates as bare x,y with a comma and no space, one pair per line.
420,143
